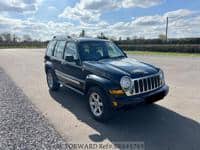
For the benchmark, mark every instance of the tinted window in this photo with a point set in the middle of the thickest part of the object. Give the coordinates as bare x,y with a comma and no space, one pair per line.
96,50
59,49
113,50
50,48
71,50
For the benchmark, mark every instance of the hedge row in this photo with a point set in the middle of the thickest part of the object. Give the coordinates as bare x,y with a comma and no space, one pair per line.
187,48
182,48
160,41
23,45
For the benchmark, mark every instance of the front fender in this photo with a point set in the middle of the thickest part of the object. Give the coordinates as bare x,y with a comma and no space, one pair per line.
94,80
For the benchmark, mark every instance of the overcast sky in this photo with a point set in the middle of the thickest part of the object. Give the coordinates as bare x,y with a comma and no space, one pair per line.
126,18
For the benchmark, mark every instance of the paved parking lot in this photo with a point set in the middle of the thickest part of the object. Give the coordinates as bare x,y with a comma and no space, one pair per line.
173,123
21,124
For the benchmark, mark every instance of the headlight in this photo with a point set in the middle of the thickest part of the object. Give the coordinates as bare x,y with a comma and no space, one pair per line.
125,83
162,76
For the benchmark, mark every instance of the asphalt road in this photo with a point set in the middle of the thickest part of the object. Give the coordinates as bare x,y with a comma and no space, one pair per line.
170,124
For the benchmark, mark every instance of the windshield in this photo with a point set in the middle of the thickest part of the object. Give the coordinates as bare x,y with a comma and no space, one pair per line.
96,50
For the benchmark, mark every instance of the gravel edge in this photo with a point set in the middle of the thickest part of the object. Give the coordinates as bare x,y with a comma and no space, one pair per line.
22,126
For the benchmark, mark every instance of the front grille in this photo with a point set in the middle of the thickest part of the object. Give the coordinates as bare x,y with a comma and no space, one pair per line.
145,84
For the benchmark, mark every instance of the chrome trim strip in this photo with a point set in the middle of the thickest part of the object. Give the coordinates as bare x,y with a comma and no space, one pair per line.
71,77
71,80
67,77
72,88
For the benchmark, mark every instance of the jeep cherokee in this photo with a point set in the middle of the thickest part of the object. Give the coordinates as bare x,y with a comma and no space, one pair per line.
102,71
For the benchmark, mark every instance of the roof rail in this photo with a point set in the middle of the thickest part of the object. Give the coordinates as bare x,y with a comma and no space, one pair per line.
57,37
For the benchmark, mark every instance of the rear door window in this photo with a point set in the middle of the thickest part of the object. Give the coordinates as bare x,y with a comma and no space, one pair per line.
71,50
50,48
59,49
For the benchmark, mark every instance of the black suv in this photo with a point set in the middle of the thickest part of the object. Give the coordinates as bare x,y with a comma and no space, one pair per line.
99,69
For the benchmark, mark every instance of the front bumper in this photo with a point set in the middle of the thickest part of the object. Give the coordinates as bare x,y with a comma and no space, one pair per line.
155,95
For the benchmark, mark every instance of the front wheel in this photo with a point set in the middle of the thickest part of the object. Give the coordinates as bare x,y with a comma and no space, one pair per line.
99,104
52,81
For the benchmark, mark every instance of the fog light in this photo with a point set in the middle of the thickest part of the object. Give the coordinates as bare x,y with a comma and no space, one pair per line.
115,104
116,92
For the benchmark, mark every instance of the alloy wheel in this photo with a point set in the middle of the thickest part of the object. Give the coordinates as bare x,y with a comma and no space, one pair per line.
96,104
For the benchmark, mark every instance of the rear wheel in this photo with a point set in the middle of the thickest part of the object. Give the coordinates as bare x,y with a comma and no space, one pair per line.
99,104
52,81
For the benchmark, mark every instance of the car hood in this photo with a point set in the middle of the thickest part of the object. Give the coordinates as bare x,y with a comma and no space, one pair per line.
122,66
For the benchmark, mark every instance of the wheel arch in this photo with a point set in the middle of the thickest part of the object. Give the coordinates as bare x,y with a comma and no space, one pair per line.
101,82
48,66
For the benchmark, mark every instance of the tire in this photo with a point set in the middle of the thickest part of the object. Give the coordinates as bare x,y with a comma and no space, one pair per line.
52,80
103,104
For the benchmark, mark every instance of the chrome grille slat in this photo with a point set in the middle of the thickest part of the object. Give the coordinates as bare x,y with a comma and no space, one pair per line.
148,86
142,85
139,86
145,84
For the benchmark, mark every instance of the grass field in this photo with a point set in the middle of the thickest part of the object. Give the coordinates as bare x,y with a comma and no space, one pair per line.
162,53
128,52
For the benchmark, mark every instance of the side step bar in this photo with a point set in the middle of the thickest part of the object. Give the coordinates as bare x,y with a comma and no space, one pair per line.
72,88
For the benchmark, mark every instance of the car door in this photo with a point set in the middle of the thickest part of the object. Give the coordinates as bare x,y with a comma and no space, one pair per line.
72,69
58,57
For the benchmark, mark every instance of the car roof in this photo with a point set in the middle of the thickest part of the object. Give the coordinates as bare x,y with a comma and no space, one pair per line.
79,39
86,39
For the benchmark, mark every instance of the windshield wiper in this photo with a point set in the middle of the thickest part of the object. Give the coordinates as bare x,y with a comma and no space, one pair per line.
104,57
119,56
107,57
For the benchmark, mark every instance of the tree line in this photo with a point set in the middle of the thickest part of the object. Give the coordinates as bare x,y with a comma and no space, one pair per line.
8,37
8,40
160,41
13,38
135,40
191,45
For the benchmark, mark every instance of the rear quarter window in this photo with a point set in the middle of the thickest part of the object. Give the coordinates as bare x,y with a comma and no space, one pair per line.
50,48
59,49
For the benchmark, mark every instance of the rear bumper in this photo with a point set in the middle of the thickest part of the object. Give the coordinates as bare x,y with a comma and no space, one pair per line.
156,95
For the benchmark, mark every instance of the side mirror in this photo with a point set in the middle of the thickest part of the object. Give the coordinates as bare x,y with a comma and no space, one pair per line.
69,58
